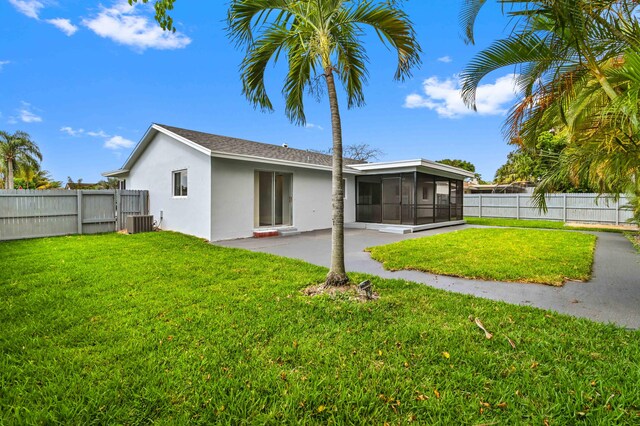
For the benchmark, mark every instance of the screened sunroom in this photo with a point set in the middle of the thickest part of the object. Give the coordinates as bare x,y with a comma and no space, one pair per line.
413,193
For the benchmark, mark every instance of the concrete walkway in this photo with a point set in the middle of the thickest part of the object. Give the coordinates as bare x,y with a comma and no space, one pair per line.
612,295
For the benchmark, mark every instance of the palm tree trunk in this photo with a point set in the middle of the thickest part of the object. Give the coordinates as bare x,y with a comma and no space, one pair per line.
9,182
337,274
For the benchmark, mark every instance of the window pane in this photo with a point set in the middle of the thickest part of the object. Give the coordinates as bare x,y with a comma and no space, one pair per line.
176,184
183,175
279,200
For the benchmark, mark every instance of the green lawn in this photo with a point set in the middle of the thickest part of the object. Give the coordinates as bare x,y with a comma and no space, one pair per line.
522,255
164,328
526,223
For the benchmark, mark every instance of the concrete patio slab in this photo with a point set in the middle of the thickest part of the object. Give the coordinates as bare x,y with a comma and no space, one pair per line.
612,295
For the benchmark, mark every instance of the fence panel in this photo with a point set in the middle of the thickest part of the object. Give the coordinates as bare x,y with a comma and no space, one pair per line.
584,208
98,212
33,214
132,202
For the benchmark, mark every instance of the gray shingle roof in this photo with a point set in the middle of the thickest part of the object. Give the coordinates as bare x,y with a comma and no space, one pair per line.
230,145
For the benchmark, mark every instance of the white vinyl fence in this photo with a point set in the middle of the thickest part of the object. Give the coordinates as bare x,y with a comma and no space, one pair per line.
33,214
586,208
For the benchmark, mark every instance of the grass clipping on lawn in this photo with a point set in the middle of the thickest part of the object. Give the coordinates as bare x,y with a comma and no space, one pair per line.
514,255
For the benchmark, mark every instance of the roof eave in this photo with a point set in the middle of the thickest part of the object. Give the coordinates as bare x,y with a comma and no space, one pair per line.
116,173
417,163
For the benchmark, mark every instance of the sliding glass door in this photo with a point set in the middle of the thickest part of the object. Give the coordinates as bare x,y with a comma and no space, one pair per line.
274,195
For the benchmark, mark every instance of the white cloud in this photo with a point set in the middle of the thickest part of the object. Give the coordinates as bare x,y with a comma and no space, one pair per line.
445,59
30,8
71,131
63,25
3,63
28,116
313,126
118,142
123,25
444,97
98,134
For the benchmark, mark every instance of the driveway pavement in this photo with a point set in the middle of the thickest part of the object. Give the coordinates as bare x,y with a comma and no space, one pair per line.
612,295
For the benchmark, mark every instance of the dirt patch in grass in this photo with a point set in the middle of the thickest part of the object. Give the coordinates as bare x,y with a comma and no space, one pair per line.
578,225
349,292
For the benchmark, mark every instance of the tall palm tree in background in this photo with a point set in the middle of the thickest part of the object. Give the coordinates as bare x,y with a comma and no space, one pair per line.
17,151
322,41
578,74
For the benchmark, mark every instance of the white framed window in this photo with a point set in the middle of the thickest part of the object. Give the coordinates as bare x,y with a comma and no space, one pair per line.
180,183
344,186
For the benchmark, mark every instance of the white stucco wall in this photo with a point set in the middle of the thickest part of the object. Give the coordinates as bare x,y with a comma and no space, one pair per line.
233,192
153,172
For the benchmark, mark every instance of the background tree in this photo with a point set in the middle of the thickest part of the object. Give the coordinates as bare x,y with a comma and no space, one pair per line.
361,152
464,165
17,152
526,164
35,179
577,65
110,183
461,164
43,180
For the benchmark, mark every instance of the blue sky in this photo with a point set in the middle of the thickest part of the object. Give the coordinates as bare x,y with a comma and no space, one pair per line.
85,79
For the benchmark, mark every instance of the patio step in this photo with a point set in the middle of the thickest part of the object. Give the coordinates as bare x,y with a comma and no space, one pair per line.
265,233
289,232
396,230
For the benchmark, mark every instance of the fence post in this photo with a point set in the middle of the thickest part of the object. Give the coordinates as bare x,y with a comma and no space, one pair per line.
518,206
118,200
564,208
618,211
479,205
79,198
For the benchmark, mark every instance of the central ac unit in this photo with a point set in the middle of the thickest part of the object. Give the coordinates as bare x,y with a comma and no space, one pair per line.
139,223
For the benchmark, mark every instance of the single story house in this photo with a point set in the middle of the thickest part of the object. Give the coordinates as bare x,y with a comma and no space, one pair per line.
219,188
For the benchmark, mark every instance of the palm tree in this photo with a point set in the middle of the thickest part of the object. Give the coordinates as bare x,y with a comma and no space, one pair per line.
17,151
43,180
320,38
577,64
